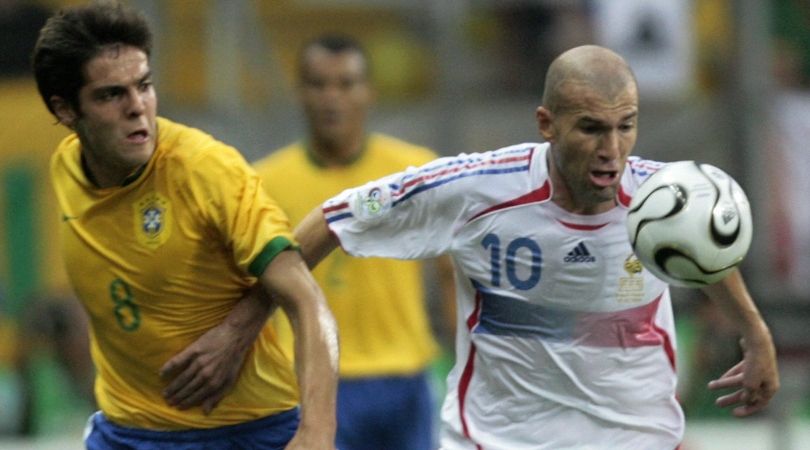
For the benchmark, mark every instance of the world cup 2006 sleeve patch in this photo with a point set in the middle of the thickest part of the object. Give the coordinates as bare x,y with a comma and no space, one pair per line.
370,203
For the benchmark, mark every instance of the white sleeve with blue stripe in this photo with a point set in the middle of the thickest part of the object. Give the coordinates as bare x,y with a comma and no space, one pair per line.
416,213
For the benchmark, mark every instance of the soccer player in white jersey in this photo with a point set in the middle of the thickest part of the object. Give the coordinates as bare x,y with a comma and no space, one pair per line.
564,340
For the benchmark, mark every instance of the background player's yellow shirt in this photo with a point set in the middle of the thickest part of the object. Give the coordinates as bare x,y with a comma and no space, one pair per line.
378,303
161,260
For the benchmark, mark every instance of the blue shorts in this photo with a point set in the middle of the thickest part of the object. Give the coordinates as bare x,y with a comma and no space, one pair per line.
391,413
268,433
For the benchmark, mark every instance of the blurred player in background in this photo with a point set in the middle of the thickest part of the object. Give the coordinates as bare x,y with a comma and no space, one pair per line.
384,397
563,340
164,230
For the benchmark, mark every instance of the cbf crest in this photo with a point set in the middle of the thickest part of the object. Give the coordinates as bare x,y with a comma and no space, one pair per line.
153,220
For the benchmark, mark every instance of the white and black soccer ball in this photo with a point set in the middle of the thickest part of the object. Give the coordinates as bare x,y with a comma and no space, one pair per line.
690,224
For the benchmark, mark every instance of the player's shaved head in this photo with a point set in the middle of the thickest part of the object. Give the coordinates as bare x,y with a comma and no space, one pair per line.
595,68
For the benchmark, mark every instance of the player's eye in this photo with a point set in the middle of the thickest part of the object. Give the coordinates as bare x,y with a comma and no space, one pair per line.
590,128
109,94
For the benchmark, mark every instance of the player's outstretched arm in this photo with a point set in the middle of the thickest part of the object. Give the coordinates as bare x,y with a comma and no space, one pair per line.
756,377
207,369
316,347
315,238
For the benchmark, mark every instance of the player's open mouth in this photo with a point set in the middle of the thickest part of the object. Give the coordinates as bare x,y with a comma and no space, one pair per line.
604,178
138,137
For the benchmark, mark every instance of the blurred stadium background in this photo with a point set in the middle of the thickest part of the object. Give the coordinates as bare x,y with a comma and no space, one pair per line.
722,81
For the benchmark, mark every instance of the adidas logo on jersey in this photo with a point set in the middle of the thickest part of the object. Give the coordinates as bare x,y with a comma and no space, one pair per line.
579,254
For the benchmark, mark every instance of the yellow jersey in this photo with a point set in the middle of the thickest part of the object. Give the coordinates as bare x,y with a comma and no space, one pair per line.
378,303
163,259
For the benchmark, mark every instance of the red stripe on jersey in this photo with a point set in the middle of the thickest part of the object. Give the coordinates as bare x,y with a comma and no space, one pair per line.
537,195
628,328
454,170
335,208
577,226
668,347
624,199
466,376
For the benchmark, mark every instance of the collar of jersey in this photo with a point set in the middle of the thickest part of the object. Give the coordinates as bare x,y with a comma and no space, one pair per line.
314,159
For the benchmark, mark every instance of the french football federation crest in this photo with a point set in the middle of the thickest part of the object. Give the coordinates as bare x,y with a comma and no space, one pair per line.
631,287
153,220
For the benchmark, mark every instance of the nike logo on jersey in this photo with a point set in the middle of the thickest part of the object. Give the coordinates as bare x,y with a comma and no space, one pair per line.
66,217
579,254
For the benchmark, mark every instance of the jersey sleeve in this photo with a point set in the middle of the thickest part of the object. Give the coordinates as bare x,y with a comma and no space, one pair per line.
416,213
251,224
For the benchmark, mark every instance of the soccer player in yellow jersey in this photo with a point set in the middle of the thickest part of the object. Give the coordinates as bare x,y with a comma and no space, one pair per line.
164,230
384,399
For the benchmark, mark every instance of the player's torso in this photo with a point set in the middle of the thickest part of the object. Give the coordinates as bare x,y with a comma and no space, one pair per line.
565,328
540,255
153,276
378,303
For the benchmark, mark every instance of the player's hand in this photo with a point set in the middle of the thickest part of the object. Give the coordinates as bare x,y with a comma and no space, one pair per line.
756,378
204,371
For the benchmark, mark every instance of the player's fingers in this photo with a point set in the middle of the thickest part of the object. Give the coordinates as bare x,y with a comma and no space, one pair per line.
177,363
736,369
187,391
726,381
180,387
196,397
208,396
213,400
177,383
751,407
730,399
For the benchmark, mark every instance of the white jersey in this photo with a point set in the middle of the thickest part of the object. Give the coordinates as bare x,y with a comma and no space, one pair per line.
564,340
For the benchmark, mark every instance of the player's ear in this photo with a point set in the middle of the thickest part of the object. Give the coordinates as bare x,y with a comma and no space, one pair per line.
545,123
64,111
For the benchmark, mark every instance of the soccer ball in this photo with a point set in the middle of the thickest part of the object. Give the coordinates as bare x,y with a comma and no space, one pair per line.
690,224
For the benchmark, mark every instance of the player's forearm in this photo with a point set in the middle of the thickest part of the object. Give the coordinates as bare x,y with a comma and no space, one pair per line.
316,350
734,299
315,238
249,316
315,333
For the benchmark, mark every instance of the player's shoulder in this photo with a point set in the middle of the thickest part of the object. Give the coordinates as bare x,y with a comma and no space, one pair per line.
281,159
65,159
185,152
183,144
381,144
66,148
638,169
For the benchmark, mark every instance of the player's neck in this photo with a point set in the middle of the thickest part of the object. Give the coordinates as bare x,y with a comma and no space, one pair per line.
331,153
568,199
102,176
580,206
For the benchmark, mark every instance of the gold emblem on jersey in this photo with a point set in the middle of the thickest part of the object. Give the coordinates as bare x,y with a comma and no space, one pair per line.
631,287
153,220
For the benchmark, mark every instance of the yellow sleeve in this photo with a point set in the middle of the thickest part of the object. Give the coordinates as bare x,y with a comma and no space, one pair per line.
231,196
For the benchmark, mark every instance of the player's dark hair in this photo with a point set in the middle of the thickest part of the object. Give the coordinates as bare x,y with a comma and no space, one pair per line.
74,36
334,43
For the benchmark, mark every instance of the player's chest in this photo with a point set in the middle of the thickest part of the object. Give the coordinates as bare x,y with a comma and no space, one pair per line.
531,254
150,230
